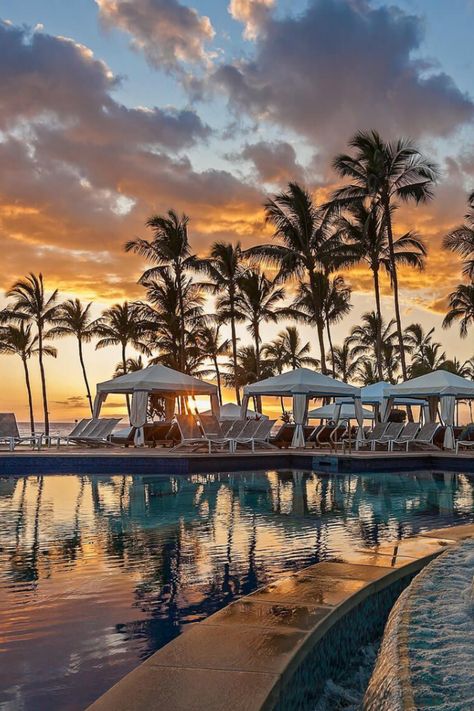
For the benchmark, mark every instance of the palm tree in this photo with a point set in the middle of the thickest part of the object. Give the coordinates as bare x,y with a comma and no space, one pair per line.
461,308
167,308
224,267
213,348
428,360
122,325
74,319
366,373
385,172
257,300
464,370
132,366
308,247
18,340
288,350
344,365
363,338
169,250
247,368
364,229
31,304
337,304
461,240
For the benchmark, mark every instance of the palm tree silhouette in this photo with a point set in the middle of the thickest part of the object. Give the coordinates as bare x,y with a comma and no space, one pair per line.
18,340
257,299
384,172
169,251
461,308
364,229
31,304
288,350
213,348
224,268
363,340
344,365
74,320
461,240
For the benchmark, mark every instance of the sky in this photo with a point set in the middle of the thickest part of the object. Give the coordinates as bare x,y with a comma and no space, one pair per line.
111,110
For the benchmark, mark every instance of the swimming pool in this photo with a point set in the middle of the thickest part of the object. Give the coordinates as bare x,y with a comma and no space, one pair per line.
96,573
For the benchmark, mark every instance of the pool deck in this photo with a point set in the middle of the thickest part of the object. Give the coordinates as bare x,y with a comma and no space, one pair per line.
162,461
241,658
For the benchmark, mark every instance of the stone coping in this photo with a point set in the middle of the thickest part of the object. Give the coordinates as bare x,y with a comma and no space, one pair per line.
241,657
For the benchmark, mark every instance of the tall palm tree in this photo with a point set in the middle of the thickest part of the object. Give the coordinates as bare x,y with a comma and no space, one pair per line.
168,251
257,300
461,240
430,359
363,338
247,368
364,229
32,304
122,325
417,340
337,304
461,308
19,340
223,268
385,172
308,246
74,319
288,350
213,348
344,365
464,370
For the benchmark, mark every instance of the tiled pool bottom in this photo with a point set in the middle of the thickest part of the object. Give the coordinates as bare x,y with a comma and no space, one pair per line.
96,573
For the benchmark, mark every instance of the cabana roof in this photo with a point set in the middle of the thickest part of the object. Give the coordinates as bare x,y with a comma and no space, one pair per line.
157,379
302,381
231,411
347,412
434,384
375,393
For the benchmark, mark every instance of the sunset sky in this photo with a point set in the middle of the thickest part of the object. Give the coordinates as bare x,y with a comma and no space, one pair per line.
113,109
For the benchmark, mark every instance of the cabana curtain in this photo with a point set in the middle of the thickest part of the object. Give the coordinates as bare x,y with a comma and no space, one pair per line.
138,416
448,404
299,415
359,413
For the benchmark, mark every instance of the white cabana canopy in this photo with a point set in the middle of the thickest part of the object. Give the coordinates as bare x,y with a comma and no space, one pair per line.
341,411
231,411
303,384
439,386
376,393
154,380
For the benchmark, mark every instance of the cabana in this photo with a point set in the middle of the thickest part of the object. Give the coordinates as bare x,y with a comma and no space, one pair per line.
376,395
338,410
231,411
302,385
438,387
154,380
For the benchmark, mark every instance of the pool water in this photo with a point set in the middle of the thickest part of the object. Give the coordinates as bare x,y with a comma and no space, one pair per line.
98,572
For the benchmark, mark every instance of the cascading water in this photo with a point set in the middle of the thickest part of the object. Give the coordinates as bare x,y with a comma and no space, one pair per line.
426,659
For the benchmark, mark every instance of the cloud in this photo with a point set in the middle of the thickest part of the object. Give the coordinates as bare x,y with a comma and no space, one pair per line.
167,32
254,14
80,173
340,66
274,161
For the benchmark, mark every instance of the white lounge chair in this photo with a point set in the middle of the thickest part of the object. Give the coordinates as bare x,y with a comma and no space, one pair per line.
376,433
78,429
392,432
255,432
408,434
10,435
468,431
423,438
99,435
212,431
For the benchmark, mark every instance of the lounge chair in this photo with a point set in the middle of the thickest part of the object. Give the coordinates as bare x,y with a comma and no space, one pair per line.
226,425
212,430
284,436
79,428
330,436
258,433
376,433
191,434
423,439
408,433
99,435
466,438
10,435
392,432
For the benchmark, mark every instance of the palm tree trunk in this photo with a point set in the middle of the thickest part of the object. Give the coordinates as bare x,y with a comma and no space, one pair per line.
30,397
43,380
331,347
234,347
84,373
320,328
124,366
218,378
182,355
393,273
378,308
257,349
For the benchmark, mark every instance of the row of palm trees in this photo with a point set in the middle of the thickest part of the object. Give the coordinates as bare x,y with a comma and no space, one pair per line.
294,277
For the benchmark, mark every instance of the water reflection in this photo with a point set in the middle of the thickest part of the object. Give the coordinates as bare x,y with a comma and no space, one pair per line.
96,573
